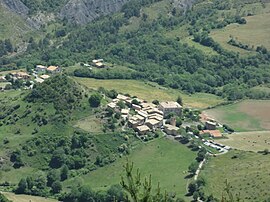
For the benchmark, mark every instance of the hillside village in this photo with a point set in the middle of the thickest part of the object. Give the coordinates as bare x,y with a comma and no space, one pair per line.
148,118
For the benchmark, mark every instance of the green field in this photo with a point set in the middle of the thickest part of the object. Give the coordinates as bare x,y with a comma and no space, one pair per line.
247,173
151,91
26,198
254,33
90,124
167,161
248,115
248,141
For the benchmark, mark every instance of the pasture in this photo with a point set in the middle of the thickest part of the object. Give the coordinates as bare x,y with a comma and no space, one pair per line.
26,198
254,33
90,124
247,115
246,172
167,161
248,141
150,91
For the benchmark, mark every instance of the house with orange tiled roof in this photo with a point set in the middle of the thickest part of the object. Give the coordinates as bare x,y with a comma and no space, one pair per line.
54,69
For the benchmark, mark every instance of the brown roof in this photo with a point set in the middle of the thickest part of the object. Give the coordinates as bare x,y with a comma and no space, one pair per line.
213,133
45,76
143,128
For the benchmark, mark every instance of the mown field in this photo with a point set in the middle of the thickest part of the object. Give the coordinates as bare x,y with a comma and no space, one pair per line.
248,115
254,33
167,162
151,91
248,141
247,173
26,198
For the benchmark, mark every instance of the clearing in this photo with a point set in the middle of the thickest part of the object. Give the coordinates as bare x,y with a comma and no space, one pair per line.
254,33
248,141
26,198
167,161
247,172
247,115
90,124
151,91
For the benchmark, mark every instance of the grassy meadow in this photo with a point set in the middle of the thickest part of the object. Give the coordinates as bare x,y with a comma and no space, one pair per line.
248,141
167,162
26,198
248,115
247,173
151,91
254,33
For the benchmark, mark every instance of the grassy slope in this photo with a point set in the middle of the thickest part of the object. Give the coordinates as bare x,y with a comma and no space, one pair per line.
248,141
165,160
151,91
12,27
249,115
26,198
255,32
248,175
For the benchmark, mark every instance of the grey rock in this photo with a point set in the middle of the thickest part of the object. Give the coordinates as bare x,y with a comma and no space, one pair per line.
84,11
15,6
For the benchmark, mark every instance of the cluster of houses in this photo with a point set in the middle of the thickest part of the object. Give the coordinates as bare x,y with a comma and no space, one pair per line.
211,129
147,117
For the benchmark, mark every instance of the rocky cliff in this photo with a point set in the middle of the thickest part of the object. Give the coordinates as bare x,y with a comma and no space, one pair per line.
15,6
84,11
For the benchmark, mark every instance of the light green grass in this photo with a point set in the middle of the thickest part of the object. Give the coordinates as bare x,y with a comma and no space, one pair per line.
248,174
167,162
151,91
14,175
248,115
205,49
90,124
248,141
26,198
254,33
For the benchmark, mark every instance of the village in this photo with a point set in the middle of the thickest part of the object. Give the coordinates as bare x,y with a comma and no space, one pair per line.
146,118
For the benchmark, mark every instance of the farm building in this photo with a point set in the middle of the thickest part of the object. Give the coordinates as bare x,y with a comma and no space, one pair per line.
21,75
98,63
170,107
209,125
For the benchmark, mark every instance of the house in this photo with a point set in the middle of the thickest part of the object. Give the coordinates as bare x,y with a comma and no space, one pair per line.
21,75
136,107
142,130
155,111
145,105
156,116
135,121
2,79
122,97
98,63
45,76
143,114
41,69
153,123
54,69
170,107
112,105
171,130
124,111
209,125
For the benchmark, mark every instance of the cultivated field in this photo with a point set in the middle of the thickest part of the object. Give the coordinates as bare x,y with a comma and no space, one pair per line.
247,173
151,91
26,198
167,162
248,115
248,141
255,32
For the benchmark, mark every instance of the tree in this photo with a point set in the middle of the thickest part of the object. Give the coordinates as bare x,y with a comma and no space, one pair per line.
22,187
179,100
156,102
192,187
116,193
121,104
56,187
193,167
95,100
58,158
64,172
52,176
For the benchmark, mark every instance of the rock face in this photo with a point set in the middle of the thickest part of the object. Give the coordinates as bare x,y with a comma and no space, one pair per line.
184,4
15,6
84,11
